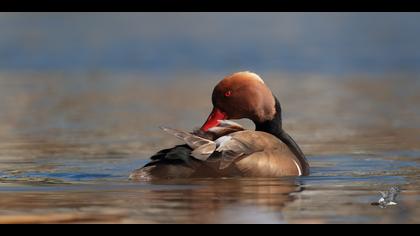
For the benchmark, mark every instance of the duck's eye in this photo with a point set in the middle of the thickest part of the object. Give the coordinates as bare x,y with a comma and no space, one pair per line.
228,93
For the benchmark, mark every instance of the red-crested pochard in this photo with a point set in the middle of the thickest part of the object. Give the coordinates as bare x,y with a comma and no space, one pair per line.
222,148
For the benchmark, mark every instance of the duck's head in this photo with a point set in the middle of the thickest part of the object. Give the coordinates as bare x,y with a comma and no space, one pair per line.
241,95
245,95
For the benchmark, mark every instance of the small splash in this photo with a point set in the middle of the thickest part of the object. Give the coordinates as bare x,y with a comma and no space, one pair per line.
388,198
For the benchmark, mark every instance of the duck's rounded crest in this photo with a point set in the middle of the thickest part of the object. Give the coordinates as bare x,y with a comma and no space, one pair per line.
248,74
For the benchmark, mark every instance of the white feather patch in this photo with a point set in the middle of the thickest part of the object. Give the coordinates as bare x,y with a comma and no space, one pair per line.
297,166
220,141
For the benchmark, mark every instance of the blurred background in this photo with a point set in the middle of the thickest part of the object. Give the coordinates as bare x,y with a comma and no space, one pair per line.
332,43
82,96
81,75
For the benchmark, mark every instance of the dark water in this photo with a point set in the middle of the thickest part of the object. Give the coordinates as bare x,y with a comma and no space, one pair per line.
68,143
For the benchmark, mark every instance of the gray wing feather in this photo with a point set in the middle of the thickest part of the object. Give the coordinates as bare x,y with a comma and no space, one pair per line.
231,150
202,148
225,127
192,140
203,152
229,123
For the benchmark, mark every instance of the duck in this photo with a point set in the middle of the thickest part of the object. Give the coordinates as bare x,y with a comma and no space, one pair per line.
222,148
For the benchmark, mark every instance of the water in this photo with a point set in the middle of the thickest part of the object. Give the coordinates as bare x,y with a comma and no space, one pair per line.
82,96
69,141
336,43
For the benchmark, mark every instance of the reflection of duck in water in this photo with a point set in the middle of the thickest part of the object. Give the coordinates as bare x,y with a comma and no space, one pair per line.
232,200
223,148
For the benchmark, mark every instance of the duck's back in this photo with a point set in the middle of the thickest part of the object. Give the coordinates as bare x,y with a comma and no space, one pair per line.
243,153
268,156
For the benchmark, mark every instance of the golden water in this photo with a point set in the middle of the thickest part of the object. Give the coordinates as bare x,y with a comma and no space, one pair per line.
69,142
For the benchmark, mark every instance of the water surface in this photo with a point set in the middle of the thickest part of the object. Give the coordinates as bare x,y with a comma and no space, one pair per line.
68,143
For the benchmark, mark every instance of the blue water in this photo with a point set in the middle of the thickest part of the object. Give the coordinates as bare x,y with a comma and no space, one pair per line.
327,43
339,169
